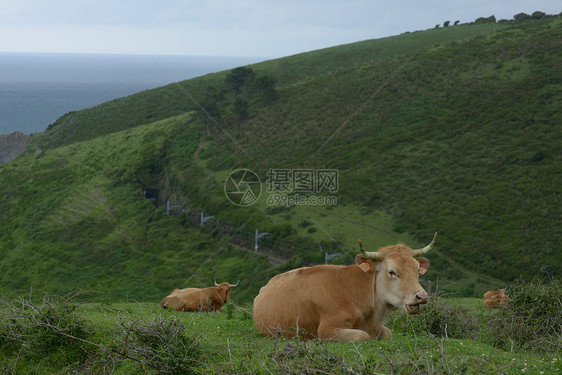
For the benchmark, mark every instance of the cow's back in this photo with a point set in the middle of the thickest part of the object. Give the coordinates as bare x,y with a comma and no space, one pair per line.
294,299
174,301
185,290
491,294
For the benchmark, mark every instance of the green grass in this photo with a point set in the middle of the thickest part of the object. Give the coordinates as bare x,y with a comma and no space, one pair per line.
228,342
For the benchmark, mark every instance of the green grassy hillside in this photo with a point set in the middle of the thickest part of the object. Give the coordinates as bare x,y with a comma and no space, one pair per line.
463,140
76,218
453,130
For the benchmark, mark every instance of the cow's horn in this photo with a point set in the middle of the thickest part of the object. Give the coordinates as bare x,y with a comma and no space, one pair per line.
215,280
424,250
373,255
233,285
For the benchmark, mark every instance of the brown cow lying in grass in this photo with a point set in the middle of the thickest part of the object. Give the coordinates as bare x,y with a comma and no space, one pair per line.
495,298
344,303
195,299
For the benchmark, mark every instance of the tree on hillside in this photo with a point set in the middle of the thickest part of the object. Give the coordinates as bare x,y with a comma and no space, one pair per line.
237,79
537,15
446,23
219,96
240,108
521,17
209,112
490,19
456,22
208,109
264,86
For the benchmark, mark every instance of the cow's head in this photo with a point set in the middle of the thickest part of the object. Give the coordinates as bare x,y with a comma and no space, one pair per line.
396,269
224,289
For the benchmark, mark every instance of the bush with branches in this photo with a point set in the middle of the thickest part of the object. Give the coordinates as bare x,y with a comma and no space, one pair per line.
532,320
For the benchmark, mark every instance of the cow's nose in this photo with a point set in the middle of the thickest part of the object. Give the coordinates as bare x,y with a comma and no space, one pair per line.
421,297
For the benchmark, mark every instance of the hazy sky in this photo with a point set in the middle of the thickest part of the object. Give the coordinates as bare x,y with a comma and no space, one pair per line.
262,28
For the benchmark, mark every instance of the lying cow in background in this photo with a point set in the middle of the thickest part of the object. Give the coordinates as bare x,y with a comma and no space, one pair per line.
344,303
495,298
195,299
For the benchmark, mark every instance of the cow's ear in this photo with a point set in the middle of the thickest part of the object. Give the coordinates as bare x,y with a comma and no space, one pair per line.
424,265
364,264
360,259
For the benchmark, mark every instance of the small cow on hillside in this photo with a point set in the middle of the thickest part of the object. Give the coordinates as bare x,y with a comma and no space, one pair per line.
195,299
344,303
495,298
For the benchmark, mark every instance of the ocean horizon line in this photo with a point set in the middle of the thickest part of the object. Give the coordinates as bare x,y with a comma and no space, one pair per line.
86,54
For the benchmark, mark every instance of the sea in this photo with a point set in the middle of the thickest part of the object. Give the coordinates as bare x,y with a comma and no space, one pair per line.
38,88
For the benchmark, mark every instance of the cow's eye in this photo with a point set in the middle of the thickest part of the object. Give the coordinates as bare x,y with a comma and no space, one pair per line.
393,274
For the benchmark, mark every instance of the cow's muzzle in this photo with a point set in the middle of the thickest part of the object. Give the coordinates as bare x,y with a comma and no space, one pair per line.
412,309
420,298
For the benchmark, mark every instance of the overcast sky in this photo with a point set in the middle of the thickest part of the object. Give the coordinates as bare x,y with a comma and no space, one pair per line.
261,28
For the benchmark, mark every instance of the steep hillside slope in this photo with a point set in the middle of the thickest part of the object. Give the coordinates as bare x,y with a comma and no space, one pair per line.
464,140
76,218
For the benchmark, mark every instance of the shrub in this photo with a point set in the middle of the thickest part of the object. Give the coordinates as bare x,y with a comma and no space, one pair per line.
160,344
438,318
53,335
305,223
229,310
49,330
308,357
532,320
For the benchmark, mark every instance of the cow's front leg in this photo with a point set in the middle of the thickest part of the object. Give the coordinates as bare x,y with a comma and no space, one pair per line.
377,331
329,332
384,333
